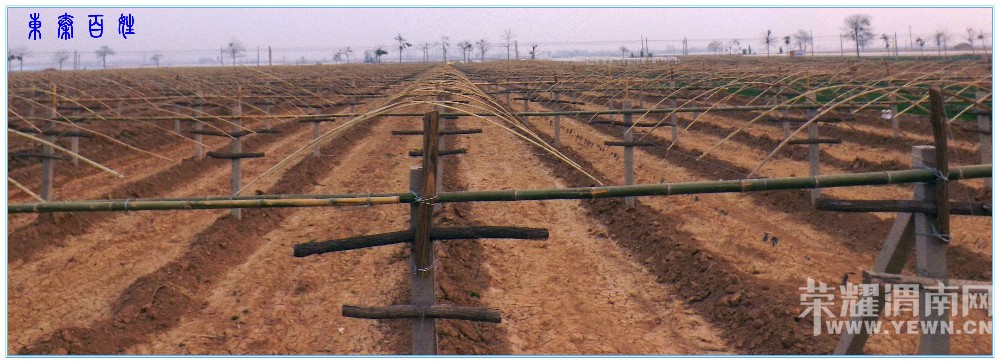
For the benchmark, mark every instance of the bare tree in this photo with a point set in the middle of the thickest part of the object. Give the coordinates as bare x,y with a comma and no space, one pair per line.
444,47
734,44
484,46
532,52
347,53
885,38
403,44
788,41
507,36
857,28
235,48
426,46
60,57
920,42
464,46
17,54
624,50
971,38
156,59
103,53
715,46
768,39
982,39
941,39
802,38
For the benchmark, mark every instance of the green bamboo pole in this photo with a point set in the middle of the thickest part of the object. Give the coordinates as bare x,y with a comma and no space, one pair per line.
484,114
703,187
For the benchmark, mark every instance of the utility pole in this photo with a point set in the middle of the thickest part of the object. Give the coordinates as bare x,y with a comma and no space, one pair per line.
911,38
895,44
841,46
812,44
269,55
258,56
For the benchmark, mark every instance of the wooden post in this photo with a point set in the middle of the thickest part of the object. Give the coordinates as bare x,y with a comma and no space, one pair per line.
177,122
931,253
198,125
354,94
932,230
236,147
118,107
894,119
628,153
424,336
786,126
555,123
439,180
74,142
985,140
48,164
526,108
813,133
316,135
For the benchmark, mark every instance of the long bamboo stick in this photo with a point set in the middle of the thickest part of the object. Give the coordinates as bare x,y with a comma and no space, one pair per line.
704,187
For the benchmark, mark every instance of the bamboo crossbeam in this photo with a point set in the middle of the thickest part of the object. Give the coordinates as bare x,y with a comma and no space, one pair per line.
814,141
219,155
630,143
666,189
901,206
38,156
416,153
440,132
487,114
428,312
437,234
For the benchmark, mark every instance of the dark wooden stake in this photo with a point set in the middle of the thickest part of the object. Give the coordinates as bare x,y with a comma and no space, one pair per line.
422,290
236,147
48,164
985,139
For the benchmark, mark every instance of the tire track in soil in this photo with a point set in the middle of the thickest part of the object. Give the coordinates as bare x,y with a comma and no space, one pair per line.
53,229
287,305
963,262
157,301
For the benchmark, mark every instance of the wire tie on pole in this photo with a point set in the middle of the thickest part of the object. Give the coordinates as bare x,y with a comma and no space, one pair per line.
126,204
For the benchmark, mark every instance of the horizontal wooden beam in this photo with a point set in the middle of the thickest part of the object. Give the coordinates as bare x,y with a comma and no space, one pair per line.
632,124
438,234
442,132
218,155
814,141
37,156
901,206
416,312
416,153
630,143
927,282
321,119
804,120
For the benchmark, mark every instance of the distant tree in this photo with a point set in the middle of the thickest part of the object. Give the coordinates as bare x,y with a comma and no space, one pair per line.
403,44
971,38
768,39
444,47
18,54
235,48
379,52
921,42
735,45
484,46
426,47
103,53
464,46
941,39
885,38
802,38
60,57
624,50
507,36
715,46
857,28
347,53
788,41
982,39
156,59
532,52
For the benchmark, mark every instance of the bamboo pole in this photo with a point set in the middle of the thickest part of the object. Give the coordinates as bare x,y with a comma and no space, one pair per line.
666,189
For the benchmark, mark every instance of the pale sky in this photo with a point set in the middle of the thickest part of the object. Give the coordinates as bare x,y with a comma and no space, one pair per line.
184,33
